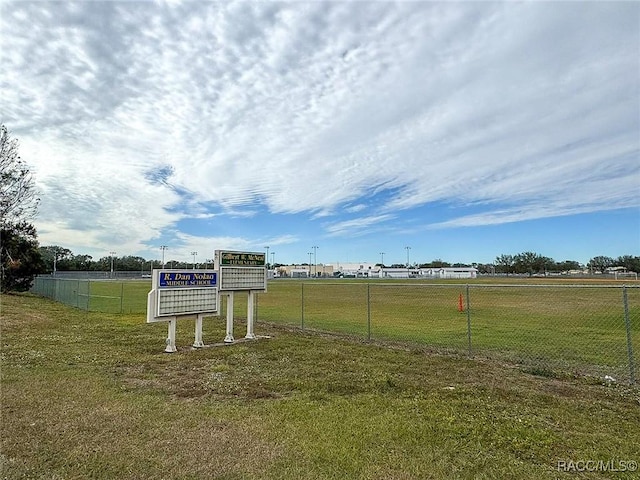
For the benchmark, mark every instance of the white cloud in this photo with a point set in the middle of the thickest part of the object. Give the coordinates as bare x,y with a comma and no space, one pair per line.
357,226
528,110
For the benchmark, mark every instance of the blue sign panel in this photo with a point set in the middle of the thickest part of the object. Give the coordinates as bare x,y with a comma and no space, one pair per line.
188,279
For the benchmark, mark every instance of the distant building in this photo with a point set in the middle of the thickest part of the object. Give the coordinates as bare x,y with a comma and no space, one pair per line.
449,272
399,272
357,270
370,270
305,271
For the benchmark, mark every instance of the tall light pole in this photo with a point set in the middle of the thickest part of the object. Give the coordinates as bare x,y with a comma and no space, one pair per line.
310,253
382,259
273,261
408,248
112,254
267,257
194,259
163,248
315,260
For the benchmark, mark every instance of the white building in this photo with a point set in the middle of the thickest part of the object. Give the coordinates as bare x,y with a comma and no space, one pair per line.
449,272
360,270
399,272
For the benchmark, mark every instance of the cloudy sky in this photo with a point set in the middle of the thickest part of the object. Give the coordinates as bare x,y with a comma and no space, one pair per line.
463,130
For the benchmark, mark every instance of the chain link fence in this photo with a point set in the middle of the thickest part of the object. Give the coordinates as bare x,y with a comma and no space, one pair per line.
575,329
551,329
108,296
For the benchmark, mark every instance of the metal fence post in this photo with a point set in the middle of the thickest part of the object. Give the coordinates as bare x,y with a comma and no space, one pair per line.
302,305
368,312
469,322
627,322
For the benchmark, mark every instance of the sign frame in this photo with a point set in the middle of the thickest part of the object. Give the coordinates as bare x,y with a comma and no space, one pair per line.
241,271
177,293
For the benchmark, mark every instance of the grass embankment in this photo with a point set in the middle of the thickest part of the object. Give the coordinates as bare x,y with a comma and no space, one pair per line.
89,395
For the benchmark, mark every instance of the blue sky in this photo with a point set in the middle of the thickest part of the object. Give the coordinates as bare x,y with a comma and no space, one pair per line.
464,130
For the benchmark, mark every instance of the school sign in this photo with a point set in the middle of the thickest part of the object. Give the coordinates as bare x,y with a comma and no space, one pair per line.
179,294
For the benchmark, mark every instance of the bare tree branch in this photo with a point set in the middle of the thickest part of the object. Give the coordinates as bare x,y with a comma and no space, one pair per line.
18,198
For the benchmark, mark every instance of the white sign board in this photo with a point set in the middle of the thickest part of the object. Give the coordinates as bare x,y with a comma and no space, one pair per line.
241,270
176,293
182,292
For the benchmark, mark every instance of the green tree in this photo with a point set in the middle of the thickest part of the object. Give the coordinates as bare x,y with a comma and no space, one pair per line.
631,263
131,263
566,265
437,263
20,259
82,262
531,262
601,263
505,264
56,257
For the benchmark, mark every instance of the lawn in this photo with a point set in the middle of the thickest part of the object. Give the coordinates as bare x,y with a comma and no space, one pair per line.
91,395
548,324
577,328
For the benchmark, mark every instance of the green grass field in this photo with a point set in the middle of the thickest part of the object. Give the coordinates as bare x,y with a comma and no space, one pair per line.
90,395
575,329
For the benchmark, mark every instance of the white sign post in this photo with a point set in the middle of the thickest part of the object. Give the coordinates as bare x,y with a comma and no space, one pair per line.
250,309
182,293
229,336
197,342
241,271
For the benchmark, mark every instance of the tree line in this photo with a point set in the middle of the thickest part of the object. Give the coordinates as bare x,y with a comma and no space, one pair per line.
531,263
56,258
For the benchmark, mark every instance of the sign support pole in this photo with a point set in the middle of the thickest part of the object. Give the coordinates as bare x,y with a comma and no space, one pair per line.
198,339
171,339
229,338
250,302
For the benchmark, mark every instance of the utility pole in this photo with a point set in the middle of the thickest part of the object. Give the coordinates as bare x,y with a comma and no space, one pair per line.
315,260
163,248
112,254
408,248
